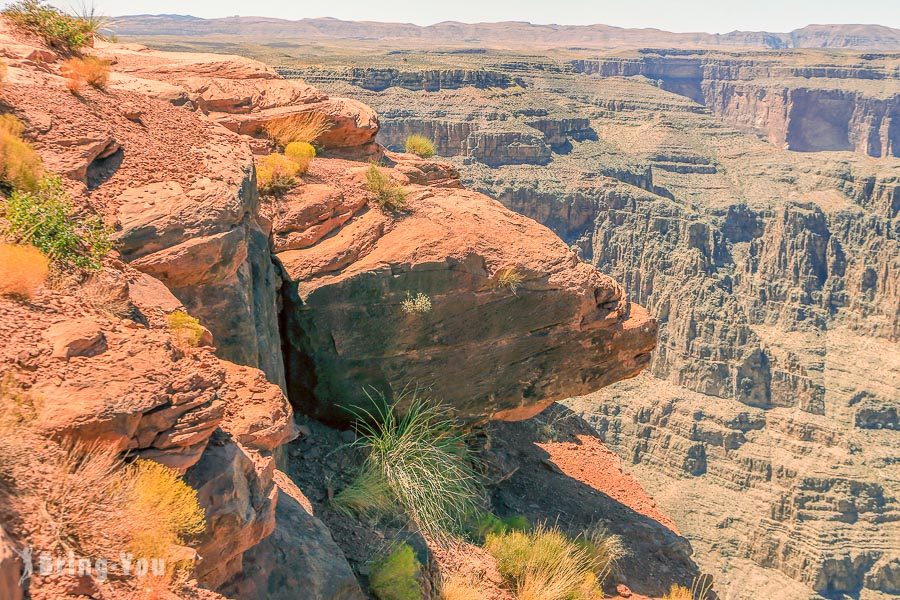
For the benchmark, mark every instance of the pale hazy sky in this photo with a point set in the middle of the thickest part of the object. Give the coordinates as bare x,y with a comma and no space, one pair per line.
717,16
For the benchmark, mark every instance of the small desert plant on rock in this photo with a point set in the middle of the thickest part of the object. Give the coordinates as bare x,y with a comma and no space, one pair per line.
422,460
46,219
420,146
301,153
276,174
397,576
185,329
23,269
87,70
20,165
545,564
418,304
511,278
166,505
64,32
304,127
388,194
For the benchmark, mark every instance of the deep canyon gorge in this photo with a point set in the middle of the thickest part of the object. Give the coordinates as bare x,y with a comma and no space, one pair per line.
706,303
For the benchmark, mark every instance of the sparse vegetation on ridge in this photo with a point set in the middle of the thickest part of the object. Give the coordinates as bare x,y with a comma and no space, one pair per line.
276,174
64,32
46,219
420,145
397,576
421,459
388,195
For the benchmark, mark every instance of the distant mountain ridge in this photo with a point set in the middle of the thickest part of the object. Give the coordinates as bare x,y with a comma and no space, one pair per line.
509,33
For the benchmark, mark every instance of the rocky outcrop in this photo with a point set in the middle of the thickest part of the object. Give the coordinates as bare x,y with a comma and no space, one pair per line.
767,428
299,555
10,569
429,80
346,328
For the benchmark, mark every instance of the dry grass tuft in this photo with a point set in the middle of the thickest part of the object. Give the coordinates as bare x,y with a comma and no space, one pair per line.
87,70
20,165
457,587
388,194
420,145
545,564
510,277
700,588
185,330
304,127
23,269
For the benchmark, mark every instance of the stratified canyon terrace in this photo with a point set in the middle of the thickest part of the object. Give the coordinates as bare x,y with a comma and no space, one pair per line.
750,200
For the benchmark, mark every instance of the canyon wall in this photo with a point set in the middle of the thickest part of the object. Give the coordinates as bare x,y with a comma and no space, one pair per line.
767,425
805,107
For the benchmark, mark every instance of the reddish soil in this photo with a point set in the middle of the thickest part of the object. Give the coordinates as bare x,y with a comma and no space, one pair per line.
590,462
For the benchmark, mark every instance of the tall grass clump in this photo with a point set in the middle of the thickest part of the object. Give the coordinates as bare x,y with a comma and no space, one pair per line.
397,576
304,127
64,32
420,145
20,165
421,461
23,269
545,564
46,219
388,194
458,587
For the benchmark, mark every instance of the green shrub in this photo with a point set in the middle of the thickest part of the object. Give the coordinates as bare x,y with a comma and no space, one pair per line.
424,462
20,165
388,194
46,220
185,329
420,146
487,523
64,32
396,577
